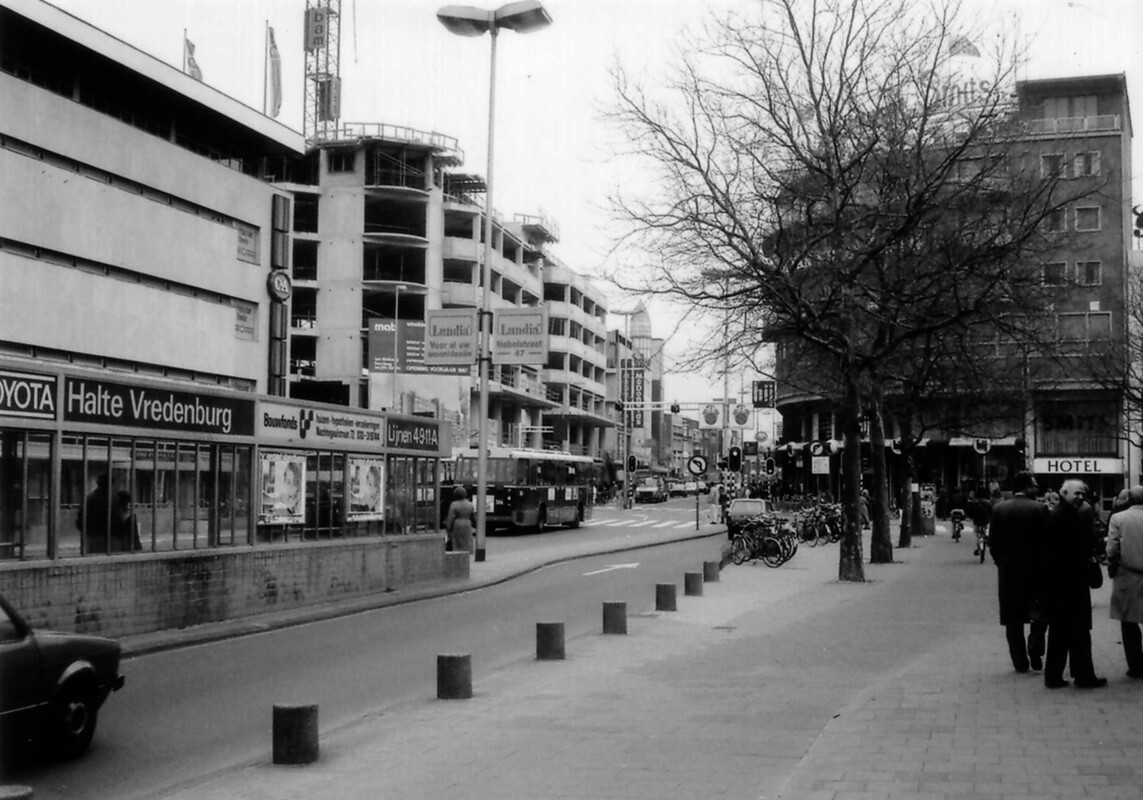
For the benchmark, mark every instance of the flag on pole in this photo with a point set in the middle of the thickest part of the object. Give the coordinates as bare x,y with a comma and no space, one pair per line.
275,76
190,66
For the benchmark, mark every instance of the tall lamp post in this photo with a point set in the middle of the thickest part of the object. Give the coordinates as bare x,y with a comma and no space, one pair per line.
524,16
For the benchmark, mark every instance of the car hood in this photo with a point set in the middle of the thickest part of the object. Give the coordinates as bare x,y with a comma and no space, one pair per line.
59,645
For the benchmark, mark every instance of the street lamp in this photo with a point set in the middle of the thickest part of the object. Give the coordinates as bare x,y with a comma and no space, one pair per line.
523,17
400,287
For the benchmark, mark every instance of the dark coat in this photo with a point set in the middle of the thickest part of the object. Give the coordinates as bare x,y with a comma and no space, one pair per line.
1064,596
1016,541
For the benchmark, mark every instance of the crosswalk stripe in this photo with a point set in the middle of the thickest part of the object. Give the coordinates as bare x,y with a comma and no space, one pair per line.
668,524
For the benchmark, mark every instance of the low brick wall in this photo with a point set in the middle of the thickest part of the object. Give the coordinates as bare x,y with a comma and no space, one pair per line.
125,595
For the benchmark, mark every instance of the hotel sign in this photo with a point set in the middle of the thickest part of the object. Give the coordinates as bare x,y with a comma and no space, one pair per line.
1078,466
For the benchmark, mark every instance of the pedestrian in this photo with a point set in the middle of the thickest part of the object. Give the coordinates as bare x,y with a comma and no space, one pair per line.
714,509
1125,566
94,519
863,509
1063,592
124,525
1018,526
460,522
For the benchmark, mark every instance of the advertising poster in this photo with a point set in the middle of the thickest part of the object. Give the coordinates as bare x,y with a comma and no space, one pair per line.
366,495
283,489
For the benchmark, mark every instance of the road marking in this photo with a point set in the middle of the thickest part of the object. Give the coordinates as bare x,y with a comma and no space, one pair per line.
668,524
611,568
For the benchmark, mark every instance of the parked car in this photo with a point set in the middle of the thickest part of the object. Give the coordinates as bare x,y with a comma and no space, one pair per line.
741,510
651,490
690,488
677,489
54,683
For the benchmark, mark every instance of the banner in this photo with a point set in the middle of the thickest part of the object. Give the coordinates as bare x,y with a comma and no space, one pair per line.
317,29
404,340
283,489
710,416
190,66
274,72
450,337
520,336
764,394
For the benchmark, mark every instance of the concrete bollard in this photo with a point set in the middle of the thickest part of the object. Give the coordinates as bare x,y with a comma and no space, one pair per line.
692,584
15,792
665,597
549,641
295,734
615,618
454,677
710,571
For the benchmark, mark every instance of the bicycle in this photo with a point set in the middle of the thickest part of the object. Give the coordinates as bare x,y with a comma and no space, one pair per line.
767,538
957,516
981,541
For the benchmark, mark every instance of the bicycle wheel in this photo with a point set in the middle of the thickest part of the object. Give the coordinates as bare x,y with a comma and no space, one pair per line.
772,552
739,550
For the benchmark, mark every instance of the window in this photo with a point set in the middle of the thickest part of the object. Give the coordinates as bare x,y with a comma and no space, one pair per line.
1085,165
1051,165
1054,274
1056,221
341,160
1085,327
1087,218
1089,273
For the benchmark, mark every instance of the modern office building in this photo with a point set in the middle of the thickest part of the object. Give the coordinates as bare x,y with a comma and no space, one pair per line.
147,439
1069,425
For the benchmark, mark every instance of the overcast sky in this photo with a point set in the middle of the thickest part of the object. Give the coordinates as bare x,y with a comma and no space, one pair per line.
400,66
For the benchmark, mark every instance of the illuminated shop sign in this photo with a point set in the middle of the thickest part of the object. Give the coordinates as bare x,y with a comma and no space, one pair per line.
24,395
110,403
406,434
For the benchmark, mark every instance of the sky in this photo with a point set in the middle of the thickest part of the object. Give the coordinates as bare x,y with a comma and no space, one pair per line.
400,66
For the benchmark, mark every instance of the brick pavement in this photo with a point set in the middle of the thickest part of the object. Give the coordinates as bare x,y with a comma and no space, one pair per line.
774,684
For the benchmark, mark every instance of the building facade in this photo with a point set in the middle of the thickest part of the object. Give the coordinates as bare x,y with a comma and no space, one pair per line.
1068,425
154,471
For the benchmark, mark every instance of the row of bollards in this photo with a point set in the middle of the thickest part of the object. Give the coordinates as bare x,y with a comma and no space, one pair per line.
296,726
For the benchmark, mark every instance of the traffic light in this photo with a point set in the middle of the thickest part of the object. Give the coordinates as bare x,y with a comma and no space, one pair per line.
674,408
771,467
734,459
632,463
619,405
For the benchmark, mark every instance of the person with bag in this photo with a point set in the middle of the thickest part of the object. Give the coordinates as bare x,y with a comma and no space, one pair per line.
1063,591
460,523
1125,567
1018,525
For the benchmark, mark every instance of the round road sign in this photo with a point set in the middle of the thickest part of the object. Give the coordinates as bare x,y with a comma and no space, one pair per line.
697,465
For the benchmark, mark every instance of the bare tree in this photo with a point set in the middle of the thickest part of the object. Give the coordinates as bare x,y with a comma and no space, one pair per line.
816,177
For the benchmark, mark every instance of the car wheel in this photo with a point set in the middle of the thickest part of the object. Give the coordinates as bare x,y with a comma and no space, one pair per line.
74,715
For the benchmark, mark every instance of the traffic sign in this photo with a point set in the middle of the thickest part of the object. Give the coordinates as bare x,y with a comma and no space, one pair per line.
697,465
981,446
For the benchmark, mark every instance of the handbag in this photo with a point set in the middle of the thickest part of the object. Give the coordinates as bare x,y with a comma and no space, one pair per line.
1094,575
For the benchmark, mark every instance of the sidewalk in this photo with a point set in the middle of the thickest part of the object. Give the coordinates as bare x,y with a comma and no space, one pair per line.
776,683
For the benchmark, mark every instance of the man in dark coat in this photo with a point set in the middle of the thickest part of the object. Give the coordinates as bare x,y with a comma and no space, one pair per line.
1018,526
1063,591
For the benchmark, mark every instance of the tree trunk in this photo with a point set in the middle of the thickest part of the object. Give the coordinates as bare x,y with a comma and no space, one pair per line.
881,543
850,566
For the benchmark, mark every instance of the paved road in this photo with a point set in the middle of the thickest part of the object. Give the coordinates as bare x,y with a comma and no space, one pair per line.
773,684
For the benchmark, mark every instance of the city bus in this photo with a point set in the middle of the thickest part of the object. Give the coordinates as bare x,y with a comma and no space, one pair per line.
526,488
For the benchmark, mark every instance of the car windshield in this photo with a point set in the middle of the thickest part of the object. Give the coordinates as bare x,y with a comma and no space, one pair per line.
748,507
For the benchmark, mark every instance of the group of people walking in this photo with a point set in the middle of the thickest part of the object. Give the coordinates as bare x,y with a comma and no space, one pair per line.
1047,563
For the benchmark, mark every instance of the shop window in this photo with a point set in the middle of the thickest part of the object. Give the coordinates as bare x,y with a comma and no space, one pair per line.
25,473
